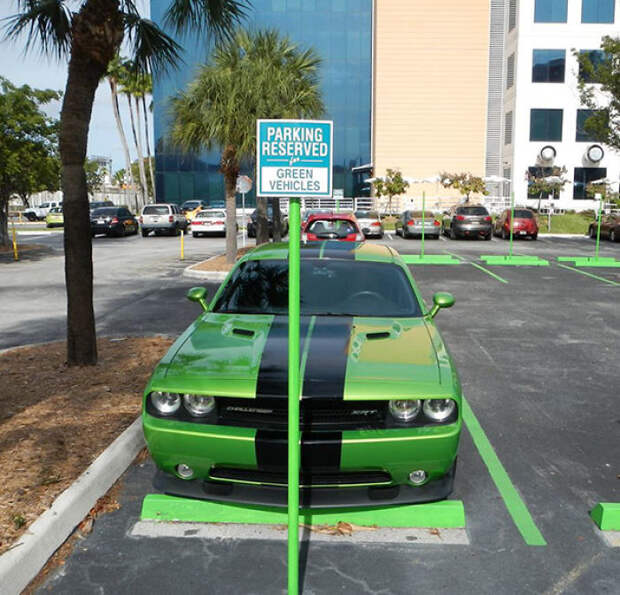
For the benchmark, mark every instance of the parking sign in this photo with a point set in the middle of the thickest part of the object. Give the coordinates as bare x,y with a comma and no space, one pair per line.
294,158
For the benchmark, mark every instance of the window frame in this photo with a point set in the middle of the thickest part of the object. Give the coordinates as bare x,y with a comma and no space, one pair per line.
547,137
548,68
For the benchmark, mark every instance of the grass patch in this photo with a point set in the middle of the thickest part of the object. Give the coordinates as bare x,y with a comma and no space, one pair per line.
567,223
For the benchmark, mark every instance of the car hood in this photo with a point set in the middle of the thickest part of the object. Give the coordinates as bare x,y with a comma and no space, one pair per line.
341,357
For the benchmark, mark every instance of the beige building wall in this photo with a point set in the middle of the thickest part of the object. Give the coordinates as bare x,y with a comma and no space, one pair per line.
430,88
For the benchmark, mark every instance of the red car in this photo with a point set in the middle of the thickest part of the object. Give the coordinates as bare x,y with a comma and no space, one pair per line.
332,226
525,224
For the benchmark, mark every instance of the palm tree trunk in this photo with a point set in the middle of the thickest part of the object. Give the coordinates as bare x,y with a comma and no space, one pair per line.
82,82
140,152
121,131
148,148
262,224
135,142
229,166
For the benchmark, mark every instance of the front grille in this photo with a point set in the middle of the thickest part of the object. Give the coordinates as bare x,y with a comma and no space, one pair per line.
306,478
316,414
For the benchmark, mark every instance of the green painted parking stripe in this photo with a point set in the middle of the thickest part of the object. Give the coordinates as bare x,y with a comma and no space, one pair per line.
609,281
494,275
514,503
497,277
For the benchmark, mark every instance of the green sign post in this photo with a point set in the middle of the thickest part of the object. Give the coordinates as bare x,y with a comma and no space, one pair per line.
596,260
423,258
511,259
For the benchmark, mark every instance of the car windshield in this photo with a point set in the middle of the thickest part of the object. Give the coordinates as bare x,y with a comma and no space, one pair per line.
155,210
471,211
192,204
366,215
45,205
418,214
210,214
341,227
328,288
56,210
104,212
523,214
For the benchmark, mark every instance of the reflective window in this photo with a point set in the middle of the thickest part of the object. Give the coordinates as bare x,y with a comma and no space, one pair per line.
548,66
546,125
596,57
550,11
597,11
540,172
329,287
585,175
582,135
340,31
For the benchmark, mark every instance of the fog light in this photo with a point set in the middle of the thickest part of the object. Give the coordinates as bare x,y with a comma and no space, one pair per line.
185,471
417,477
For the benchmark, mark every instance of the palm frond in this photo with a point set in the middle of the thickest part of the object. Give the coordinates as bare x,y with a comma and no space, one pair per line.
46,23
216,17
152,49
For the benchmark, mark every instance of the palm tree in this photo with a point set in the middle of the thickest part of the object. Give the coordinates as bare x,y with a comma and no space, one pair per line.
253,75
114,75
147,89
89,37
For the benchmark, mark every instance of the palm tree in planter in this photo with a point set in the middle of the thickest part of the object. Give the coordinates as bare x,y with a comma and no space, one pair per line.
254,75
89,37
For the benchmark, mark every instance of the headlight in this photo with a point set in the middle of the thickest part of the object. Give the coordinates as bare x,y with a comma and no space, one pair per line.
438,409
199,405
405,410
166,403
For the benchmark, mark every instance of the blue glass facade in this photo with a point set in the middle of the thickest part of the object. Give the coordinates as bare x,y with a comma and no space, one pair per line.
340,31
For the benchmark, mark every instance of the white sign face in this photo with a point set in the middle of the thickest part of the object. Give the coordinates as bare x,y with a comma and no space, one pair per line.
294,158
244,184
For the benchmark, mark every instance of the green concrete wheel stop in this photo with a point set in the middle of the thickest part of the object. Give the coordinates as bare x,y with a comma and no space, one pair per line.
515,261
429,259
447,514
606,515
591,261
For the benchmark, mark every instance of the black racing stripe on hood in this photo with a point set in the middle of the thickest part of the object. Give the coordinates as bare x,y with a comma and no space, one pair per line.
328,352
272,380
320,452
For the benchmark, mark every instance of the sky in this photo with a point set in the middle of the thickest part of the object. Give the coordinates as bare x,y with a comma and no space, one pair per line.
42,73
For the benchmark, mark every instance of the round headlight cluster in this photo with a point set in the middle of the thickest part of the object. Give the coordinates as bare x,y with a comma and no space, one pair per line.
166,403
199,405
169,403
437,410
405,410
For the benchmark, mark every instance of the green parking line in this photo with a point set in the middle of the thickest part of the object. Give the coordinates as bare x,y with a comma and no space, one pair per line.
497,277
500,279
590,275
514,503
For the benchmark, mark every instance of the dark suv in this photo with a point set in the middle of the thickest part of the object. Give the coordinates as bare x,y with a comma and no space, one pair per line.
467,222
252,225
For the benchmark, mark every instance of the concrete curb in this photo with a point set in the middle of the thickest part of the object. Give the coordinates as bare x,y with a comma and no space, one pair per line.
193,273
23,562
562,235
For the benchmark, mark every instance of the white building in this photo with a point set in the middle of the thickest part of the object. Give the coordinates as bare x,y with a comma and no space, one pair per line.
541,107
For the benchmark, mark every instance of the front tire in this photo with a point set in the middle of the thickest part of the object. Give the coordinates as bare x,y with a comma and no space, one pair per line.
145,232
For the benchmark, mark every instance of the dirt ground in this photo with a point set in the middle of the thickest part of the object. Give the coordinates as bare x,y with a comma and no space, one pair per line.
55,420
218,263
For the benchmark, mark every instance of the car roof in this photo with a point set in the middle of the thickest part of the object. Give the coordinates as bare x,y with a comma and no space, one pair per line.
328,249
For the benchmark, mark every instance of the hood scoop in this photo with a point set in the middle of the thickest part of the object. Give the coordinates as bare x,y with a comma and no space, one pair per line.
378,335
243,332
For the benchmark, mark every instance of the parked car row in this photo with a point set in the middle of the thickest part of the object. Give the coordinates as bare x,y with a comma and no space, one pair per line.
610,228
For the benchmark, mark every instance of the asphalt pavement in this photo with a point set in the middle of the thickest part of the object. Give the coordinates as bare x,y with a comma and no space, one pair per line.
536,349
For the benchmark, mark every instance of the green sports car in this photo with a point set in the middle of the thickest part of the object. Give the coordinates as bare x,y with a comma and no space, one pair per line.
380,408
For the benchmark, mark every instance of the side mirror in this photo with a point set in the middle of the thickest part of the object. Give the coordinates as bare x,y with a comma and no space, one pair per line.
442,299
198,294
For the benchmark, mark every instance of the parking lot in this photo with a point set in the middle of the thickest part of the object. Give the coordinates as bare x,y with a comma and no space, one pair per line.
537,352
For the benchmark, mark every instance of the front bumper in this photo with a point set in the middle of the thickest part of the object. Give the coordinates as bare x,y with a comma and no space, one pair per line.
335,497
229,463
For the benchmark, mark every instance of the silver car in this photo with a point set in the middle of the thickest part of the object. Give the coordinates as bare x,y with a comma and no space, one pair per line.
162,218
411,225
369,223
